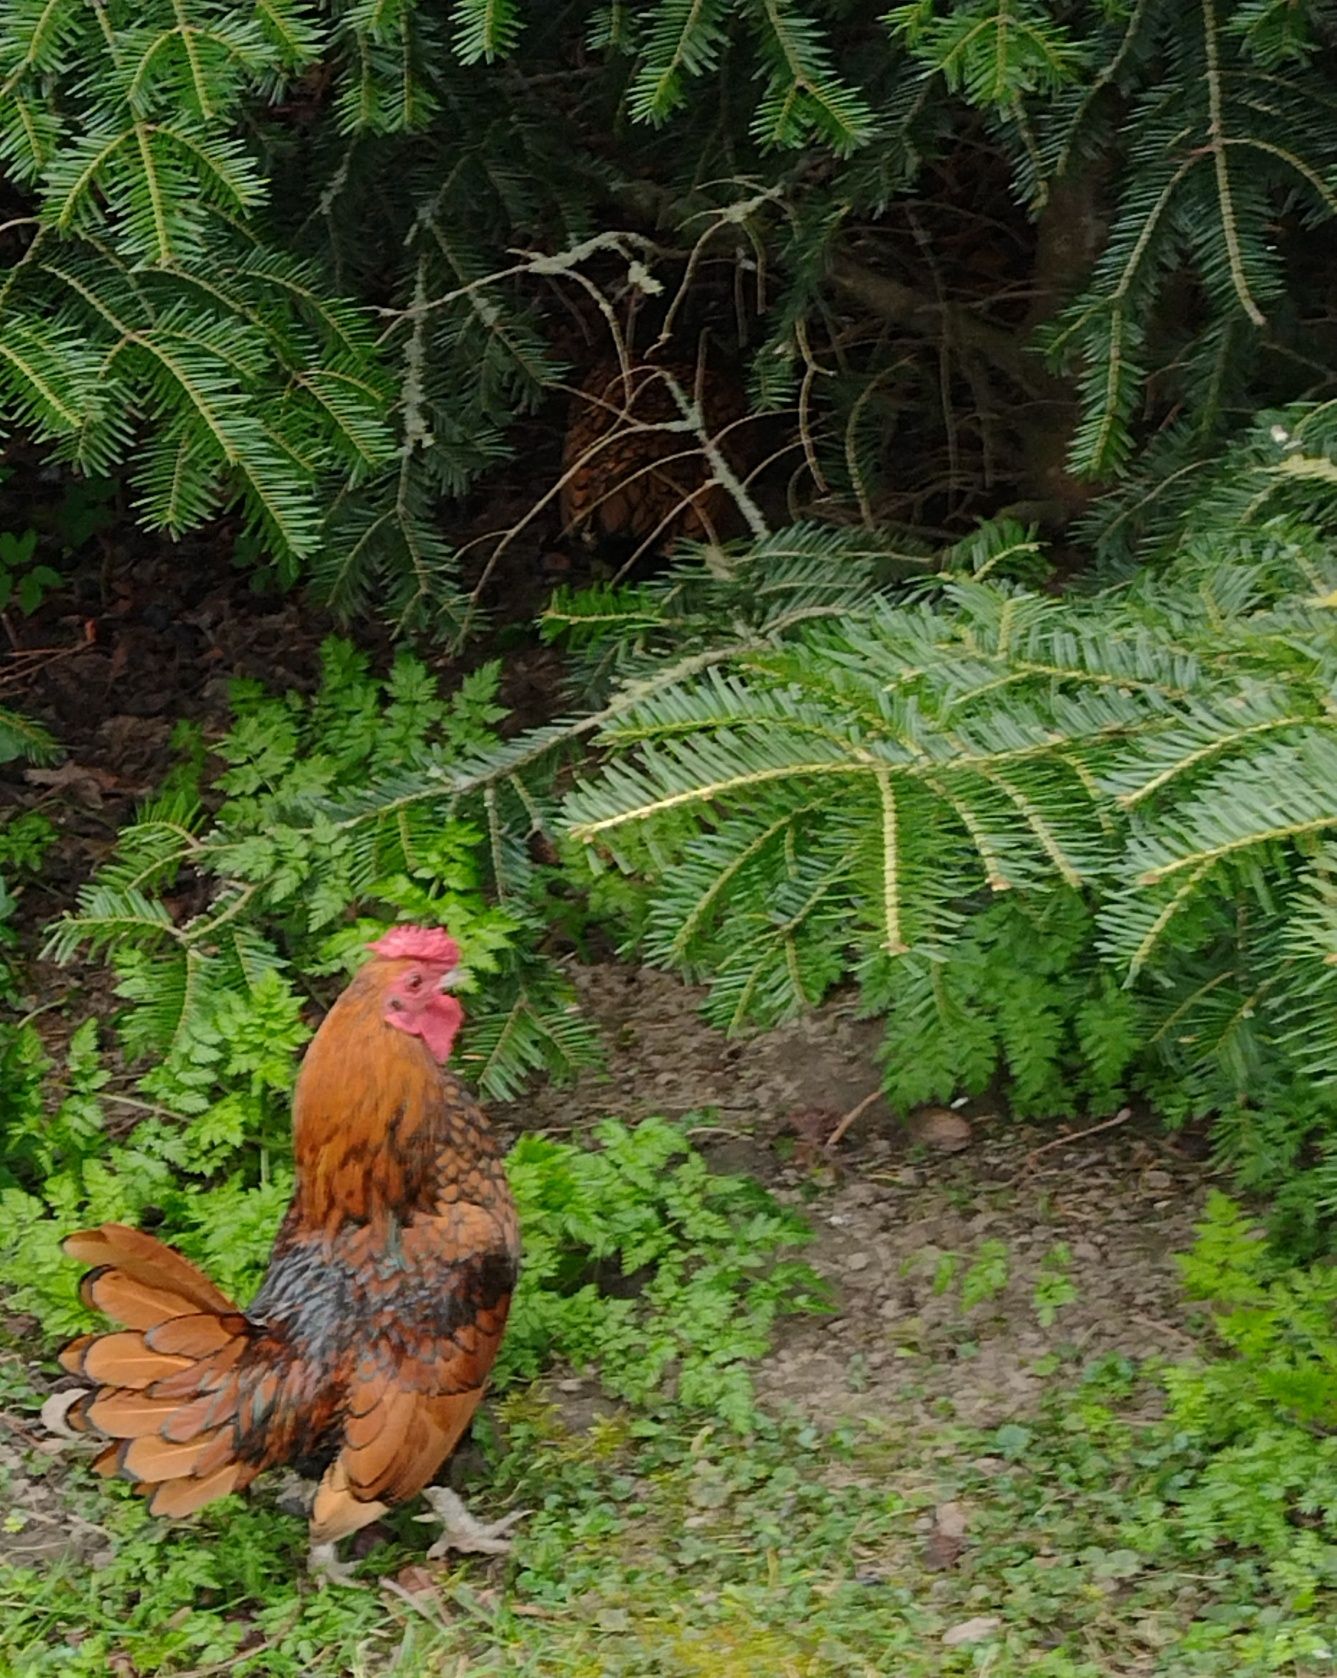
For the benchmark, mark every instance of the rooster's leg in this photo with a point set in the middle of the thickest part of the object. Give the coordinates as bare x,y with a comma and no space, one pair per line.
337,1514
294,1495
459,1529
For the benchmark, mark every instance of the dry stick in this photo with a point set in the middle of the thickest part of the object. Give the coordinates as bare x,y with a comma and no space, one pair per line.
812,368
850,1117
793,506
533,263
724,474
653,470
692,425
730,215
759,255
33,665
564,265
692,422
508,536
680,296
687,498
777,453
609,314
851,441
905,307
1121,1117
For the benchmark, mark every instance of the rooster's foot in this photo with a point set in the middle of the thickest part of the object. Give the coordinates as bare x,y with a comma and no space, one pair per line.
325,1565
459,1529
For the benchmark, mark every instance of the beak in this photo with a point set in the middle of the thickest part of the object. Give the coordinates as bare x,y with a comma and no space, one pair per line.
454,979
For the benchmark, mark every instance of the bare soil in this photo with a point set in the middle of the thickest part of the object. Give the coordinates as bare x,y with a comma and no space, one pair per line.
888,1207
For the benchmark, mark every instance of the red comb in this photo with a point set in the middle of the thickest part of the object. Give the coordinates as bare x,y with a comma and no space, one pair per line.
417,943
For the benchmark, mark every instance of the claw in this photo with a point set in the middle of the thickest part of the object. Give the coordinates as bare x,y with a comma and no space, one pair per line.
327,1569
460,1531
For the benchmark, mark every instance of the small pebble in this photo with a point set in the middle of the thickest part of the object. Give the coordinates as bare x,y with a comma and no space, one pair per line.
941,1129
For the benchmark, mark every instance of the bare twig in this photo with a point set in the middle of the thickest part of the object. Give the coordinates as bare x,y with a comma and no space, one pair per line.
1121,1117
907,308
838,1133
535,262
724,474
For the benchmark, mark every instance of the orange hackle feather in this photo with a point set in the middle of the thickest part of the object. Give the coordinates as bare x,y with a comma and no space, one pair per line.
363,1372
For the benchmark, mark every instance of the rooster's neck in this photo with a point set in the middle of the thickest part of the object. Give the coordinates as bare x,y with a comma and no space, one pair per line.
379,1129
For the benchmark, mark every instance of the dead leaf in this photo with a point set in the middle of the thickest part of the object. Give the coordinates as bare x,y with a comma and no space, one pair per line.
813,1127
415,1579
971,1631
80,780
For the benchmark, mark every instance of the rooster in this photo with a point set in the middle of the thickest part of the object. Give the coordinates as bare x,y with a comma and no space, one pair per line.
363,1357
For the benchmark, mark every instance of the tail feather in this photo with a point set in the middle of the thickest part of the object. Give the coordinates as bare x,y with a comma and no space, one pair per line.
108,1462
121,1360
144,1259
153,1460
188,1421
121,1413
199,1375
196,1336
163,1389
127,1301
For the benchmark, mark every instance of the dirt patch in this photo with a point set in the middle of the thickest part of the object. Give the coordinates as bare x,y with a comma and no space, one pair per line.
897,1226
664,1058
896,1246
40,1527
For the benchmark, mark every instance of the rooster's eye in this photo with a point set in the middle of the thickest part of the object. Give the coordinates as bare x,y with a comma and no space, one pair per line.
415,983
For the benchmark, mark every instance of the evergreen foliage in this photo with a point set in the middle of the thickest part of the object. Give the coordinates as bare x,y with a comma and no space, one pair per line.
311,266
311,263
1083,842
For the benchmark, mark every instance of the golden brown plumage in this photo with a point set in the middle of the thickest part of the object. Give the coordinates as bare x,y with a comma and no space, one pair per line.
366,1351
625,475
